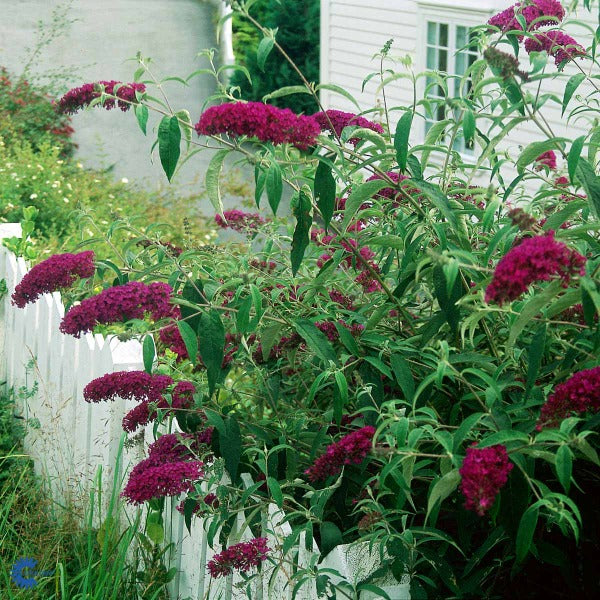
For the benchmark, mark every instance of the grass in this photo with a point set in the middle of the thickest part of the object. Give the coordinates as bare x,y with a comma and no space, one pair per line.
108,562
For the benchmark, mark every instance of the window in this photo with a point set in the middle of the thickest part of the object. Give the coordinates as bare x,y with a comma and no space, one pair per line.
450,49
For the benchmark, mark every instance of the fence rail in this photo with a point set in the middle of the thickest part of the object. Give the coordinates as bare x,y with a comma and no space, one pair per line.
69,439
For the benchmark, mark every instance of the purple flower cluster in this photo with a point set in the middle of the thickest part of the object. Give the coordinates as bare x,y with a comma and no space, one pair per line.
483,473
336,120
80,97
262,121
240,557
576,396
240,221
182,398
536,9
559,45
540,258
55,273
132,300
151,479
391,193
547,159
351,449
129,385
174,447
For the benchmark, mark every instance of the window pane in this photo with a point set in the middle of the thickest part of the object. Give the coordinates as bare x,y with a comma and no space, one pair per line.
443,60
431,58
460,64
443,35
432,33
461,36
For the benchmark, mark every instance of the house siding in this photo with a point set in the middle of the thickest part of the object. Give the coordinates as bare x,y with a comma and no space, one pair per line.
352,31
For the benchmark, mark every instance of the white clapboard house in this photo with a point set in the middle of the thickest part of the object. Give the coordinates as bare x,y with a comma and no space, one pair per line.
431,32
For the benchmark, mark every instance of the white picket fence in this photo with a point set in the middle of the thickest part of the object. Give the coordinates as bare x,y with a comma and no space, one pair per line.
69,439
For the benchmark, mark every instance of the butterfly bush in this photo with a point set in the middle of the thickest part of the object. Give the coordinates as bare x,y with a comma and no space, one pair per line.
56,273
370,370
262,121
129,385
559,45
352,449
543,12
239,221
335,121
80,97
576,396
239,557
133,300
540,258
483,473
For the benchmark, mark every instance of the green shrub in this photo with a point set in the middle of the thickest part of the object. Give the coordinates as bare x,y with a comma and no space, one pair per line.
298,34
28,115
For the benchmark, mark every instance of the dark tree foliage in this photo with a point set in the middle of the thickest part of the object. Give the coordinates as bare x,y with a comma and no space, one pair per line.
298,24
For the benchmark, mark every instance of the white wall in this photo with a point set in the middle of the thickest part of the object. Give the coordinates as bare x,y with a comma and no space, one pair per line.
352,31
104,35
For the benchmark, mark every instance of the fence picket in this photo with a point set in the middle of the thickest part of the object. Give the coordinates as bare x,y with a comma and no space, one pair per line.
75,438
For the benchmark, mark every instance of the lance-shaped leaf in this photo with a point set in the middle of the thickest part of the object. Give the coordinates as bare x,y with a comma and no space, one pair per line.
591,184
401,139
301,239
274,184
211,342
212,180
169,140
316,340
325,192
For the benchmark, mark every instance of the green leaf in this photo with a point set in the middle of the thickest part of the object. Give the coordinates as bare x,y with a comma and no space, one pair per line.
591,184
570,89
185,118
301,238
401,139
155,532
325,192
316,340
331,536
447,301
442,489
274,185
564,466
230,445
574,155
275,490
169,140
469,126
365,191
525,533
211,342
439,199
535,354
388,241
531,308
532,151
141,114
504,437
286,91
403,376
338,90
148,352
341,396
190,339
268,338
259,180
212,180
262,52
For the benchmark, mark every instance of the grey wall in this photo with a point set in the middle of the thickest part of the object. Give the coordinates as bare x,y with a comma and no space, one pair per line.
106,33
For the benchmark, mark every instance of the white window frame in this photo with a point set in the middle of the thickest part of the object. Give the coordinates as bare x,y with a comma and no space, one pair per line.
453,13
